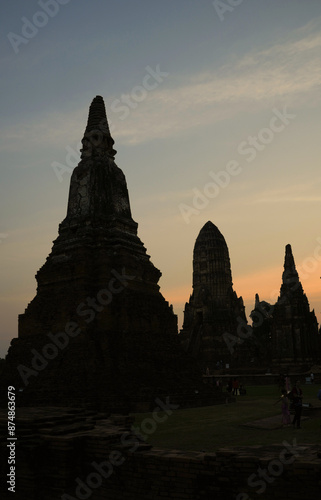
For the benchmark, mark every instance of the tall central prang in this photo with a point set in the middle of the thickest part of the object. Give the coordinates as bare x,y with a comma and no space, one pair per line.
99,326
97,259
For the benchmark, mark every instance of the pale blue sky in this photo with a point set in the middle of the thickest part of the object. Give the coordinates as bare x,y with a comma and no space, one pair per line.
225,79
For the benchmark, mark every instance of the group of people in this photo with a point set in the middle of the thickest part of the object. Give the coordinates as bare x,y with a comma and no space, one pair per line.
234,387
295,397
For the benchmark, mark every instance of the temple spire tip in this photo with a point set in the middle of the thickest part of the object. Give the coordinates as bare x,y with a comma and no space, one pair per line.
97,139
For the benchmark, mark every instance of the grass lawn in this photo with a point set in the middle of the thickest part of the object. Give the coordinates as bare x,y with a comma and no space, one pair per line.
212,427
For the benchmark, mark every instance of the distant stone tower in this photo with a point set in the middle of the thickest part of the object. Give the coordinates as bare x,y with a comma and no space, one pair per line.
294,330
98,328
214,313
261,345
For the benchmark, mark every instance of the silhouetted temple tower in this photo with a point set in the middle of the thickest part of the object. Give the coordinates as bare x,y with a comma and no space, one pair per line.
97,242
98,321
294,330
214,308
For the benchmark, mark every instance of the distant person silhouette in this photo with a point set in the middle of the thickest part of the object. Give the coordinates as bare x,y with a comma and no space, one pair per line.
297,404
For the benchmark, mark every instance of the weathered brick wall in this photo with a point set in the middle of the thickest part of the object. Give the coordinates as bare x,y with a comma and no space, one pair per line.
241,474
73,454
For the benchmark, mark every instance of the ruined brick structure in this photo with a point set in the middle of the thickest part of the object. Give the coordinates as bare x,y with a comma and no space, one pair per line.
69,454
294,328
261,345
99,326
214,310
286,333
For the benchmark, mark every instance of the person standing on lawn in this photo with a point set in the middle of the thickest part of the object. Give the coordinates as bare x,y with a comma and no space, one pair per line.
286,419
297,404
287,383
236,385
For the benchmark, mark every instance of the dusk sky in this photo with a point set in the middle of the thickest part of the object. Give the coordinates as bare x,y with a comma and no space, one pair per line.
215,111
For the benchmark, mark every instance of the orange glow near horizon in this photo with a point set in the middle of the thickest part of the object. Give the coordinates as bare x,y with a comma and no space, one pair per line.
266,283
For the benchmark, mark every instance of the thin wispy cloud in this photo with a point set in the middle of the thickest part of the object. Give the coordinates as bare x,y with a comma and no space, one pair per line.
302,193
306,39
294,199
165,197
52,129
288,71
